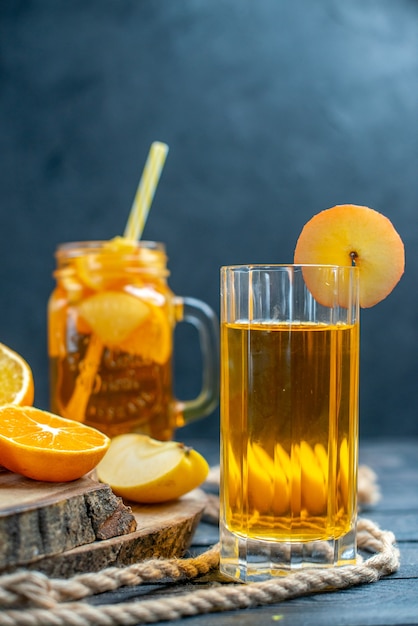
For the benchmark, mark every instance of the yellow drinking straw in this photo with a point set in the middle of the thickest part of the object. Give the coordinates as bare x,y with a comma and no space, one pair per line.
76,407
146,190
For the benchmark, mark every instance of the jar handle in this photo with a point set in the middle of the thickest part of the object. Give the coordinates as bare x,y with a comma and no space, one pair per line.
203,318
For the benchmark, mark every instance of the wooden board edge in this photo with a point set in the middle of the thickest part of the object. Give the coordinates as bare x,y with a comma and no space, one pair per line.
167,532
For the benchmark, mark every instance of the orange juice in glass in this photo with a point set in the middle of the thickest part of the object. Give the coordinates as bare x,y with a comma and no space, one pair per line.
111,320
289,419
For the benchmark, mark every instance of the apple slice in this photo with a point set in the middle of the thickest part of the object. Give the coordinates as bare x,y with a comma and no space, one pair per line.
145,470
347,235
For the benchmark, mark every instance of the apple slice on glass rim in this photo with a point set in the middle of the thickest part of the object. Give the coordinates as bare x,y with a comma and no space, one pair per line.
349,234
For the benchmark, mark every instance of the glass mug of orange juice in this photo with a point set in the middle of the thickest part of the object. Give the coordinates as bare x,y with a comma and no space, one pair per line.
289,418
111,320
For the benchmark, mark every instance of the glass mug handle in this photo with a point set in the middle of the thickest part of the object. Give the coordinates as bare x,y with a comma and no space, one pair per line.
203,318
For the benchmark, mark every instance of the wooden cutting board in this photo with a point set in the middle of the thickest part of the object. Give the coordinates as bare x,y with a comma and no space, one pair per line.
66,528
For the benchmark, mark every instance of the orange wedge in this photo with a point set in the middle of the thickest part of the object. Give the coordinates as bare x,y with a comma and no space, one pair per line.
44,446
16,380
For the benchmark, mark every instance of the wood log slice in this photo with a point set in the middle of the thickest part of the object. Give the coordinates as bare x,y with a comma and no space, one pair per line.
63,529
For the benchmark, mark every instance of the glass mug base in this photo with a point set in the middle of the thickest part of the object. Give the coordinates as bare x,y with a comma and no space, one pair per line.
251,560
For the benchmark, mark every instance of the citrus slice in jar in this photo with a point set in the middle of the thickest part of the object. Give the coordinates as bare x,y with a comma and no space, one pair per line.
47,447
102,268
57,320
152,338
16,379
113,315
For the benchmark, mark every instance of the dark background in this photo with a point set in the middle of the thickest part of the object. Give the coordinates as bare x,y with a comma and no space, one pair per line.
273,111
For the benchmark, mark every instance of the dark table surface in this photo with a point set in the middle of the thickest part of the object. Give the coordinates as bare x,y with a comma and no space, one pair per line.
393,600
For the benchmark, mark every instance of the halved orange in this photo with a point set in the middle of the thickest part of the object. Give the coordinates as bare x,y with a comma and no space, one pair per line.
152,339
44,446
16,380
113,315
